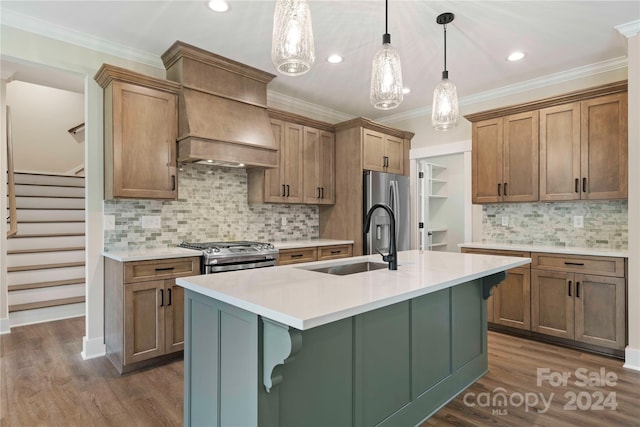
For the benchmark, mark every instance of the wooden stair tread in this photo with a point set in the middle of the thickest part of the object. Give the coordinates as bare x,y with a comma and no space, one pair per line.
52,185
49,197
44,266
50,284
35,251
57,221
50,209
44,304
24,236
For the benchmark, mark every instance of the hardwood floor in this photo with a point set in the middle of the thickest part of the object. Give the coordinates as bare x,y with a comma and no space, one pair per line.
44,382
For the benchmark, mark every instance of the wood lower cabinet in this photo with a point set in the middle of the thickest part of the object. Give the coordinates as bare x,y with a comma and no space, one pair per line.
144,309
140,133
587,308
510,303
313,253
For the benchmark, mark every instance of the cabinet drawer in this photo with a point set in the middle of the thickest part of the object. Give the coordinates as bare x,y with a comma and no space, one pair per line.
332,252
498,252
294,256
139,271
604,266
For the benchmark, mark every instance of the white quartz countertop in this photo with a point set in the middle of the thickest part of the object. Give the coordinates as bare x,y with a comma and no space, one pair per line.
149,254
295,244
548,249
305,299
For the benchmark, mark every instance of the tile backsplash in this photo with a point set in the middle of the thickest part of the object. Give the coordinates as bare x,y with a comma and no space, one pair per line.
605,223
212,206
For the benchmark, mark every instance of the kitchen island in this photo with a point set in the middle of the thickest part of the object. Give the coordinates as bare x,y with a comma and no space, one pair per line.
290,346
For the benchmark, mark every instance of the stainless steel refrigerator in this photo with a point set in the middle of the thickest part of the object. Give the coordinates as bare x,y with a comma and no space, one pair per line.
393,190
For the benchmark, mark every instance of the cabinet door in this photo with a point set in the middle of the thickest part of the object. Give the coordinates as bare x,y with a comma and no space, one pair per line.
144,125
143,320
604,142
520,158
600,310
486,158
373,150
293,162
552,309
173,317
274,177
512,300
311,165
560,152
327,172
394,152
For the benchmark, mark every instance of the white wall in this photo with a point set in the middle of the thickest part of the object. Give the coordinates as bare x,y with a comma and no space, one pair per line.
41,117
39,51
4,306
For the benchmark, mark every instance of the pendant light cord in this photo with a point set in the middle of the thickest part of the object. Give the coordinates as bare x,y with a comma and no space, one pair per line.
386,16
445,46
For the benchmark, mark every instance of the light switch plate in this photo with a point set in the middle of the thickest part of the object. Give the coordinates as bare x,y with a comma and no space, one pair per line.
578,221
505,221
150,222
109,222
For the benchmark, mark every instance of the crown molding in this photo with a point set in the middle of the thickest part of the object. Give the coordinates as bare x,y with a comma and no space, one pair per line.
281,101
67,35
629,29
528,85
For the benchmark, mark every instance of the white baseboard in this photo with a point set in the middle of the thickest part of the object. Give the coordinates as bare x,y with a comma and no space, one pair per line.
48,314
5,327
92,348
632,359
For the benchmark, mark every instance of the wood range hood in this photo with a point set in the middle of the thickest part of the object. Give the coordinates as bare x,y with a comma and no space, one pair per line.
222,114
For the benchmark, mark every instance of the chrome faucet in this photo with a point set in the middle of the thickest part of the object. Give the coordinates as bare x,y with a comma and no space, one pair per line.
392,257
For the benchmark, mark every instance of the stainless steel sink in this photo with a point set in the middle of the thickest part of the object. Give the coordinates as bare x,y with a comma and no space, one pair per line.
345,269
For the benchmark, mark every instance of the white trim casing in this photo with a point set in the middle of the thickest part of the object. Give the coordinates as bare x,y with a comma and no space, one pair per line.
92,348
632,359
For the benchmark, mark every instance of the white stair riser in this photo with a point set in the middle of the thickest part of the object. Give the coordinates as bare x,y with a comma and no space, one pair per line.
45,242
17,260
25,229
50,215
47,314
49,191
44,275
46,294
48,180
48,203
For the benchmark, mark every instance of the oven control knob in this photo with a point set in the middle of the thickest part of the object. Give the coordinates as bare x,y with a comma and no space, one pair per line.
216,249
208,250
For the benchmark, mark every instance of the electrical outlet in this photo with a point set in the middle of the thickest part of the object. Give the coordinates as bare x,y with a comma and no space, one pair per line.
150,222
578,221
109,222
283,221
505,221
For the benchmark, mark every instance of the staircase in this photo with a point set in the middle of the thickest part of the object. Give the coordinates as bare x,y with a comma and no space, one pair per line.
46,258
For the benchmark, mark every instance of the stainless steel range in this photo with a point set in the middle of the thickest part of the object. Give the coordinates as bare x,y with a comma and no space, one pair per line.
227,256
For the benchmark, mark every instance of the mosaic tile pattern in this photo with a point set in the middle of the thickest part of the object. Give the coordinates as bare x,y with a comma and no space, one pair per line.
605,223
212,206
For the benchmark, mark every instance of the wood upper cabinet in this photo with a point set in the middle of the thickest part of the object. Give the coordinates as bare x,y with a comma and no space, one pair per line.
382,152
284,183
505,159
318,166
140,133
583,149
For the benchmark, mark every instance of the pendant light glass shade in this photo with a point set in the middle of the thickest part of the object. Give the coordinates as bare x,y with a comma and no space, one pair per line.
386,72
444,114
386,78
292,47
444,111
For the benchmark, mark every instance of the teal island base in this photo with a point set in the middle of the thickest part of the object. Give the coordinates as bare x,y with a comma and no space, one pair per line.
392,366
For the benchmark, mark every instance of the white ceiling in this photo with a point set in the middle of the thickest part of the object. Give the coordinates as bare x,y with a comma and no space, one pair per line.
557,36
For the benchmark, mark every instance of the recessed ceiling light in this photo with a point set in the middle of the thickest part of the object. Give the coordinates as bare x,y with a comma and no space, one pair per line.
406,90
515,56
218,5
335,59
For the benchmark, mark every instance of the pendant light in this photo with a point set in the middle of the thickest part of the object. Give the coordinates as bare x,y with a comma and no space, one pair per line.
292,50
386,73
444,114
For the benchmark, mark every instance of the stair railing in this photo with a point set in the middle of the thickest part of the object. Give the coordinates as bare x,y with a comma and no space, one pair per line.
12,219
